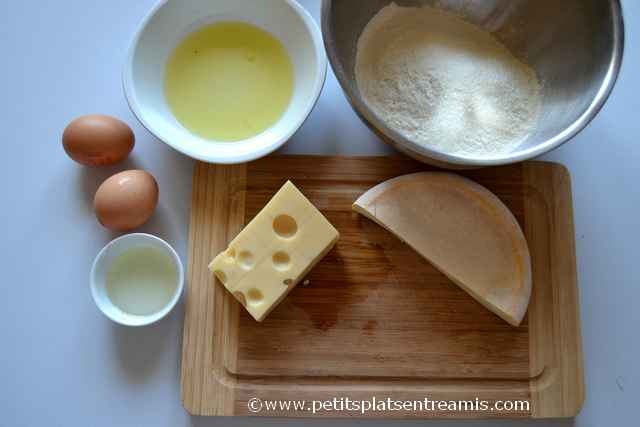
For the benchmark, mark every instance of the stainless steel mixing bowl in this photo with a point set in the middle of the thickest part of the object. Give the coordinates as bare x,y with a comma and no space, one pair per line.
575,46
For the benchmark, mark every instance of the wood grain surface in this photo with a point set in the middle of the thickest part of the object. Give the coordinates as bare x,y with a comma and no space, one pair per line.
375,318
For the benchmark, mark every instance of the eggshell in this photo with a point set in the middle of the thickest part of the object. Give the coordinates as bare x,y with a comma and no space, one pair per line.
126,200
97,140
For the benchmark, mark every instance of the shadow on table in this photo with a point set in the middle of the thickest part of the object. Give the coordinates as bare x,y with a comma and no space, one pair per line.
139,350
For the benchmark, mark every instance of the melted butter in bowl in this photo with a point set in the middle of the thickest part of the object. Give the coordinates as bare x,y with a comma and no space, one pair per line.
203,74
229,81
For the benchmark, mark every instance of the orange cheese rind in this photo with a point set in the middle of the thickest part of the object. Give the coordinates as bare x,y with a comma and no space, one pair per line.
464,230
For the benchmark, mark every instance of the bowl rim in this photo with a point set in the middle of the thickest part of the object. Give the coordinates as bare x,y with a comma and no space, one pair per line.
438,158
128,84
144,320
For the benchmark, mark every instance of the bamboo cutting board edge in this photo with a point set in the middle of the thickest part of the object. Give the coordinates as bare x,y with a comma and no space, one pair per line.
559,390
209,349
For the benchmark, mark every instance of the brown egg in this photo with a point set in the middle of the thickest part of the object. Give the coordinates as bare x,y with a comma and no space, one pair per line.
126,200
97,140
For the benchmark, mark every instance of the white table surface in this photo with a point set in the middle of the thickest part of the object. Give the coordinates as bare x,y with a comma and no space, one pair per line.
62,363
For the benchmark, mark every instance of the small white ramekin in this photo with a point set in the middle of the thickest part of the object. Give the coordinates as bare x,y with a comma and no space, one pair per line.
100,268
170,21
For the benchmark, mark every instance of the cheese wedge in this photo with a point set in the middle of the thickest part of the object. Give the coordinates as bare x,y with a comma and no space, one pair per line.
274,252
464,230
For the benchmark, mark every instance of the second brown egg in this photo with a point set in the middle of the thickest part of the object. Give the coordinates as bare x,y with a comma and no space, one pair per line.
126,200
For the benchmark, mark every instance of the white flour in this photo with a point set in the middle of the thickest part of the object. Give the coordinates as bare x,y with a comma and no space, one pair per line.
445,83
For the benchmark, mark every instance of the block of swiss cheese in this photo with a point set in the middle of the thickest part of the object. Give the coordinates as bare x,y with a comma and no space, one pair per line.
274,251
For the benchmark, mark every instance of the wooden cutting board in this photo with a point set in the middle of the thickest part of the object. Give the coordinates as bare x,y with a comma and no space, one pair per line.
376,319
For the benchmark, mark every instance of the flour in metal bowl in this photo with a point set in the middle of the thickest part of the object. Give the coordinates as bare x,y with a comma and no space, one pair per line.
446,83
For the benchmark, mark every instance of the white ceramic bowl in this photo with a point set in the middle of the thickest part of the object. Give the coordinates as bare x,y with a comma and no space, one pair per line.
171,21
100,268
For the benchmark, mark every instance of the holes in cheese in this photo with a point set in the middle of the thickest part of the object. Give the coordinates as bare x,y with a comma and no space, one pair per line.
275,251
240,297
245,258
464,230
255,296
231,255
281,261
285,226
221,276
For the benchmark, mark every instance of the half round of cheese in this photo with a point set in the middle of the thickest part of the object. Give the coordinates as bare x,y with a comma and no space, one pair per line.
464,230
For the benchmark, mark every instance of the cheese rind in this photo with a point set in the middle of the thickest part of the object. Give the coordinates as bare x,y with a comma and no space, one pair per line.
274,252
464,230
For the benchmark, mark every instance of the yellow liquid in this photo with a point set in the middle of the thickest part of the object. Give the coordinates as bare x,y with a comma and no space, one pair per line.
142,280
229,81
